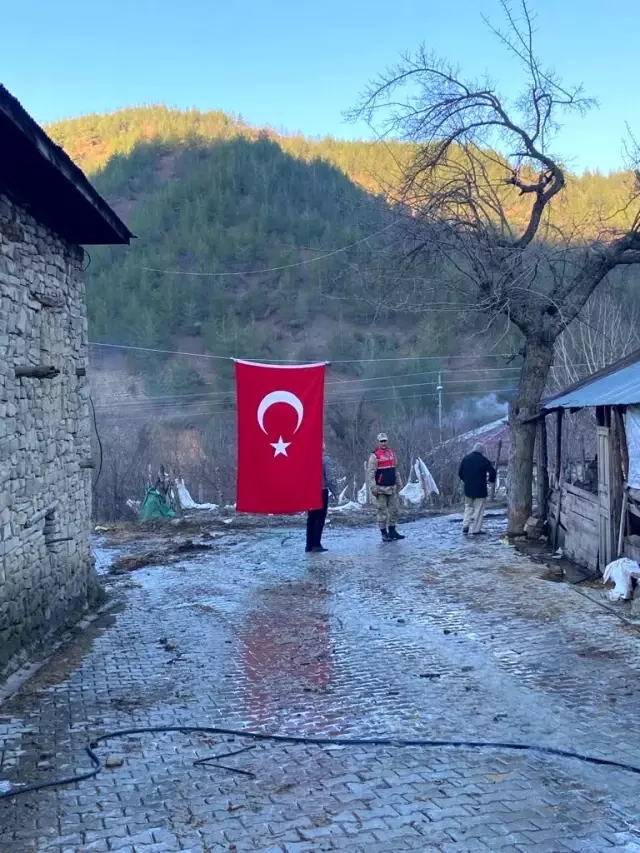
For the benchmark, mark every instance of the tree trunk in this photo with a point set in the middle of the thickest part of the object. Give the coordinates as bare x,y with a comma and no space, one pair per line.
538,358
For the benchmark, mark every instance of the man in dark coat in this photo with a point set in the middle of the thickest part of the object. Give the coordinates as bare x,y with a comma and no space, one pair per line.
317,517
474,471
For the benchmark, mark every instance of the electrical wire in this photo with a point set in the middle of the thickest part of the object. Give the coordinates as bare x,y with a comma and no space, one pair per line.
362,397
337,395
314,741
299,361
231,410
95,426
338,383
273,269
198,397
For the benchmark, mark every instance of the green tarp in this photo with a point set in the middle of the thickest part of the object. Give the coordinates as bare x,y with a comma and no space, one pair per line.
154,508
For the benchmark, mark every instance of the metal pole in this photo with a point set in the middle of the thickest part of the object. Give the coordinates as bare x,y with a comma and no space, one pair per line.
493,485
439,390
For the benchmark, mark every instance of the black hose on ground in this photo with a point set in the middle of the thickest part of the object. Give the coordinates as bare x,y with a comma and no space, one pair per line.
314,741
56,783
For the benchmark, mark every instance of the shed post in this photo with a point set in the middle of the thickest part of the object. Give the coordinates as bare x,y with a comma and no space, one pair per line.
497,465
617,475
624,447
605,487
543,467
558,461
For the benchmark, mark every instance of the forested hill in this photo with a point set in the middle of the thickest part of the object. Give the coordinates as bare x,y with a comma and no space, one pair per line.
224,210
206,193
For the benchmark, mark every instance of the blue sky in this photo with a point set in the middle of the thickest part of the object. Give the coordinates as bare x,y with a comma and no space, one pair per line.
298,64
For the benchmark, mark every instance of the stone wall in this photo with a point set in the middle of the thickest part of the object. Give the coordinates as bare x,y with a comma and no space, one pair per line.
46,568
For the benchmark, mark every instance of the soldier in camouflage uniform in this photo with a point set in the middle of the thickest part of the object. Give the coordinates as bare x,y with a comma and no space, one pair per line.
385,482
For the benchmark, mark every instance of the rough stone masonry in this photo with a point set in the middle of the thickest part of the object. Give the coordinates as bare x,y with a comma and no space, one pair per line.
46,568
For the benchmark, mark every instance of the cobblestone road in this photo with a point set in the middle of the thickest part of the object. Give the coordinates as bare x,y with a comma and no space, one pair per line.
436,637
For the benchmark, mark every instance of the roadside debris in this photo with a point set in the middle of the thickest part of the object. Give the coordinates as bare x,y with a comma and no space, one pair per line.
170,553
534,527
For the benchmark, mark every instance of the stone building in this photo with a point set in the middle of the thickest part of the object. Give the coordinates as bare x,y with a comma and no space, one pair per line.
48,210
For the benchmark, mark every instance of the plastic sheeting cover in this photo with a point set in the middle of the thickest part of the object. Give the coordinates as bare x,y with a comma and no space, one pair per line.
414,493
154,508
363,496
349,506
632,426
421,468
187,501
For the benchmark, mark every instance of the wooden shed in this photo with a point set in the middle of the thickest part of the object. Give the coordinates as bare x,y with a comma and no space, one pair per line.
594,527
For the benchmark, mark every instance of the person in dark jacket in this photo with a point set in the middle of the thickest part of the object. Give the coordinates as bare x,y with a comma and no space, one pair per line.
317,517
475,470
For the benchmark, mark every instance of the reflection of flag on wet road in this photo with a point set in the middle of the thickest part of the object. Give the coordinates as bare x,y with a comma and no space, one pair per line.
280,425
287,658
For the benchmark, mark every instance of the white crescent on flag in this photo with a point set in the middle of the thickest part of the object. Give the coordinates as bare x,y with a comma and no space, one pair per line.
280,397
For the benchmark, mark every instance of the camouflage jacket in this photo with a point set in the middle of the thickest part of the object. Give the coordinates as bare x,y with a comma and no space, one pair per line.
372,467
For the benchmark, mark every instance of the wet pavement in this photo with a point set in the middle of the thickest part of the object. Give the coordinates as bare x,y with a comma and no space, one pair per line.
438,637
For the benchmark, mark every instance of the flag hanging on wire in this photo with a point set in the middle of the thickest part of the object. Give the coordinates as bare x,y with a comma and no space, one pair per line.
280,429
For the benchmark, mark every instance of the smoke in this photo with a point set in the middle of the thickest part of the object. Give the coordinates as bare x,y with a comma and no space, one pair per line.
479,410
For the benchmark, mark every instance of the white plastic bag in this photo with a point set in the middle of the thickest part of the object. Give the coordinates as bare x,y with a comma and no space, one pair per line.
412,494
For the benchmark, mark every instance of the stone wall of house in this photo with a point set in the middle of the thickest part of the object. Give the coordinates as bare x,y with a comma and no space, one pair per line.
46,566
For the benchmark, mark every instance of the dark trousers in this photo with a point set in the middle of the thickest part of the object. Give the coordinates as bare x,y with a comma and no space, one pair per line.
315,522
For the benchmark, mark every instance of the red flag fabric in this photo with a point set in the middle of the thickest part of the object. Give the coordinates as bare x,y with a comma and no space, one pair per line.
280,427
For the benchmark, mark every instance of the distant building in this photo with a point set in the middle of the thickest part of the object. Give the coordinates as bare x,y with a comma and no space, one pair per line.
48,209
490,436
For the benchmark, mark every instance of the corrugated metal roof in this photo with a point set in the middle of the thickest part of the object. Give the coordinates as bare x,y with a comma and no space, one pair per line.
616,385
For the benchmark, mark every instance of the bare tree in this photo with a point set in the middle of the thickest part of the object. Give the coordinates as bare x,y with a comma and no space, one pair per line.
479,195
351,429
607,329
125,453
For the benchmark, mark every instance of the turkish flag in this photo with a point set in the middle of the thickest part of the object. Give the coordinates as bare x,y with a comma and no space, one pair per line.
280,427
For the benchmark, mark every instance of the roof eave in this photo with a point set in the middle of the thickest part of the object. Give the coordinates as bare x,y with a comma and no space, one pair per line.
115,231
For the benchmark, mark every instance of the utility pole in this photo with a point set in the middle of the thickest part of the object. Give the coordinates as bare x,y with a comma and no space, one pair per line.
439,390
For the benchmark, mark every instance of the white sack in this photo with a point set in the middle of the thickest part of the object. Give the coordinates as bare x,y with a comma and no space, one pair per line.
620,572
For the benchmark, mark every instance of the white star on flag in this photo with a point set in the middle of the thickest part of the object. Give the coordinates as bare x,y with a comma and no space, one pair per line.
280,447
